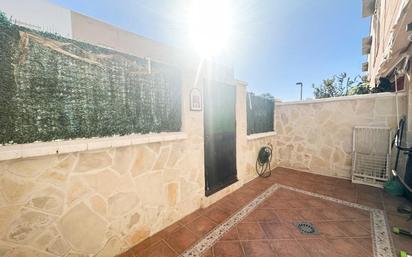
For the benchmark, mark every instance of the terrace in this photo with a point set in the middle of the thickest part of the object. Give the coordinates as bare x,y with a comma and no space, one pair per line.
342,213
112,144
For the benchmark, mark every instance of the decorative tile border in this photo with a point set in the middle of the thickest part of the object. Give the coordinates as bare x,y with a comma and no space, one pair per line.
382,245
210,239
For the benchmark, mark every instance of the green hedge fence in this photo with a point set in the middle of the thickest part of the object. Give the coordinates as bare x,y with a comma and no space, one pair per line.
55,88
260,114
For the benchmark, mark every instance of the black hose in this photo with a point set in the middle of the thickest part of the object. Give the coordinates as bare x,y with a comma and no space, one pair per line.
397,141
406,181
263,161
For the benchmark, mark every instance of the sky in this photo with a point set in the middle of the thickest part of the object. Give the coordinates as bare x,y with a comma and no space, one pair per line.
274,43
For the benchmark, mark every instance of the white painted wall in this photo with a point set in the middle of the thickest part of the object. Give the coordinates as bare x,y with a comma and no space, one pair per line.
40,15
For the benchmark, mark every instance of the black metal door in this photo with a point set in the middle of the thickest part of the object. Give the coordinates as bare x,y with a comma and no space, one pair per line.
220,136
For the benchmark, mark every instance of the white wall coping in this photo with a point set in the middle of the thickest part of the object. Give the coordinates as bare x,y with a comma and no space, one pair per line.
241,82
9,152
261,135
343,98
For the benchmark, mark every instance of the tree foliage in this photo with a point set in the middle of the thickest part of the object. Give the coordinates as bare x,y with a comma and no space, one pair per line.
360,89
268,96
343,85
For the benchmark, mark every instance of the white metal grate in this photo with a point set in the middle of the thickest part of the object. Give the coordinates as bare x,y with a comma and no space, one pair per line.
371,155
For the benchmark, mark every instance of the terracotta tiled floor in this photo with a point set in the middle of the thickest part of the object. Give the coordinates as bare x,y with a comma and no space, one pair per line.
268,230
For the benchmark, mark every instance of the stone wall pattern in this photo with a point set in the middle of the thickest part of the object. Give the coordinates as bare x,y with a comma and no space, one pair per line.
96,202
317,136
102,202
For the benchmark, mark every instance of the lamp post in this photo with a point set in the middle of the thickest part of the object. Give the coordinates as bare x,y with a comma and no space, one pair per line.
301,89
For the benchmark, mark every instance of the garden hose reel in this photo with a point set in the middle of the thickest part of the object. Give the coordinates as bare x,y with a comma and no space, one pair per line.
263,161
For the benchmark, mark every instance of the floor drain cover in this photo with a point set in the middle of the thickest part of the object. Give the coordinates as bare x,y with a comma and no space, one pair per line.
306,228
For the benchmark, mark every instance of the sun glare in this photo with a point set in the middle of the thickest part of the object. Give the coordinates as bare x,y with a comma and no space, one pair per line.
210,25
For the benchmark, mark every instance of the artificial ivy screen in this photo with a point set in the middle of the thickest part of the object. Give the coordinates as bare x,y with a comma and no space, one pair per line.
260,114
55,88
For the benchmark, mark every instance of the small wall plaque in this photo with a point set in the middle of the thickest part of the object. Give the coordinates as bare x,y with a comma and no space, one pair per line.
195,100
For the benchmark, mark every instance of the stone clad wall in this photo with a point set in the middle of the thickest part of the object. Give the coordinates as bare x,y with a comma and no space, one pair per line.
97,201
102,202
89,201
316,136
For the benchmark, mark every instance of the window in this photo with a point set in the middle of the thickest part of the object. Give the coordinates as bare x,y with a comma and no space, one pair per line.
260,114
